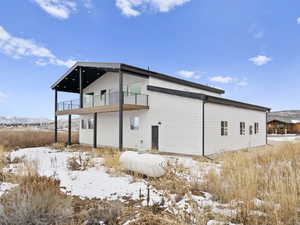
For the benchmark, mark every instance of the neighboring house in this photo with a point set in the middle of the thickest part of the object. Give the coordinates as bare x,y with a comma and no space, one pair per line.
284,126
128,107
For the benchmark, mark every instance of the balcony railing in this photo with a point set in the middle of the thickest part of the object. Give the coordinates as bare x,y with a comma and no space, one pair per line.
90,101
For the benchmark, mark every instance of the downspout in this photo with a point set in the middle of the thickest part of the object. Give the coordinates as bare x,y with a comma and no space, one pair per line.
121,100
267,126
203,126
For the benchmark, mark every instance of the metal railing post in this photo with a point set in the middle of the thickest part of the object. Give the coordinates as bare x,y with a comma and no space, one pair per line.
135,98
147,98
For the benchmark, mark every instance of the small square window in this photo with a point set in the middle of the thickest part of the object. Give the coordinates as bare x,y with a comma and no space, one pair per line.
134,123
83,124
250,129
256,128
242,128
90,124
224,128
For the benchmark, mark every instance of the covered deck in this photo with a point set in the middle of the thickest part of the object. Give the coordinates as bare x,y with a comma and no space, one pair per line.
81,75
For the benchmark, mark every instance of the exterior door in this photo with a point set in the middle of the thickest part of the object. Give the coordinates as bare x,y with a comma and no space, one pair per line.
155,137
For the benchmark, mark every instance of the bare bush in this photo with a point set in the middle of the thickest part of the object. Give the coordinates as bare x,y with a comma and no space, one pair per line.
36,201
104,214
79,163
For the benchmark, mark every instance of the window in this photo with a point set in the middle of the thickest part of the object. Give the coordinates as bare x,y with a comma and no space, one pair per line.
250,129
83,124
134,123
256,128
90,124
224,128
135,88
242,128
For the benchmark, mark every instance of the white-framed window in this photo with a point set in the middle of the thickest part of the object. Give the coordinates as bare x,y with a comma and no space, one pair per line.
256,128
224,128
83,124
134,123
135,88
242,128
250,129
90,123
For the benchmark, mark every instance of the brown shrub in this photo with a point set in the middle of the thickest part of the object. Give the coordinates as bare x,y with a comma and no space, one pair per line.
37,200
79,163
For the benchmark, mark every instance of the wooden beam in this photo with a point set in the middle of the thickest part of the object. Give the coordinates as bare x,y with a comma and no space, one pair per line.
102,109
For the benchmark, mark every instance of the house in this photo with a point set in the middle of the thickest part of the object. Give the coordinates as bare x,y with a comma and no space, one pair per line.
284,126
129,107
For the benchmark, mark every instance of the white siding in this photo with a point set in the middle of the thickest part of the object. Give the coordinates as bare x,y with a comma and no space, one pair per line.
180,130
179,120
111,81
180,87
181,126
215,143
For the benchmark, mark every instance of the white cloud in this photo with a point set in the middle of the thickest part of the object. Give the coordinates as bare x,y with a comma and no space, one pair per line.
186,73
189,74
88,4
3,96
221,79
260,60
18,47
134,7
298,20
242,83
58,8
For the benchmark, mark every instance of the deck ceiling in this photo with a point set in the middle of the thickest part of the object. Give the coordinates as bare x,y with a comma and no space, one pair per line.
70,83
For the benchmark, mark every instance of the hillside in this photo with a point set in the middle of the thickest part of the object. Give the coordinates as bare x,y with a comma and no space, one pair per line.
23,120
284,115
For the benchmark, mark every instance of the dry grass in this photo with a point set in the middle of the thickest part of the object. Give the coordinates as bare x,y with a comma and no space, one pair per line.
37,200
14,139
269,174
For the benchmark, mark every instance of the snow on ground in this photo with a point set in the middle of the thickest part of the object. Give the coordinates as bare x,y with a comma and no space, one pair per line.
4,187
284,138
94,182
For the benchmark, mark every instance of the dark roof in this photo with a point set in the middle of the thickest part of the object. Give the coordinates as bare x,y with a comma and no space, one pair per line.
208,98
93,70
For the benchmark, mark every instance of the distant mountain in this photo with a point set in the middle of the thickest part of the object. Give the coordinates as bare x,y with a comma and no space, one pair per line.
44,123
23,120
284,115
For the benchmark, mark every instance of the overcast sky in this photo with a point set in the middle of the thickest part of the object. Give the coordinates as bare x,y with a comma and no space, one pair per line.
251,49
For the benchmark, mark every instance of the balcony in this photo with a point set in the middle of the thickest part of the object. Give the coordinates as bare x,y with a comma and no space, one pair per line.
103,103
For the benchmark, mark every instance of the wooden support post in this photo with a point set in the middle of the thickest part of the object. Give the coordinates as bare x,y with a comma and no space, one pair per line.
70,130
55,117
95,130
81,87
121,99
